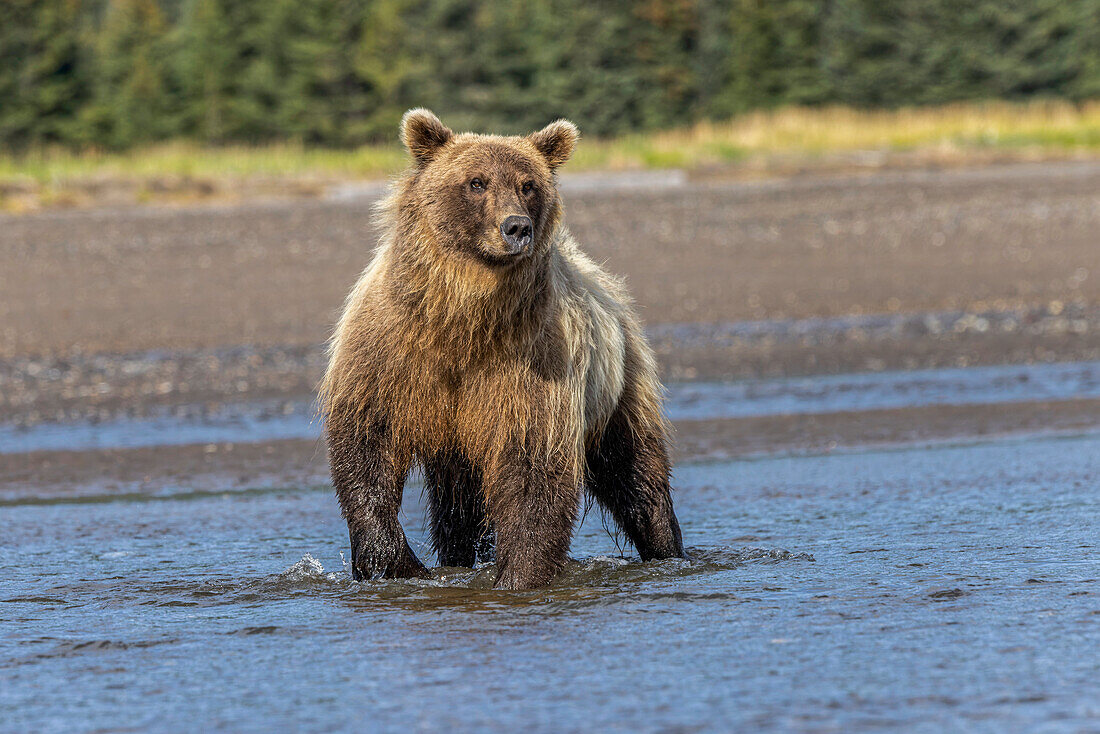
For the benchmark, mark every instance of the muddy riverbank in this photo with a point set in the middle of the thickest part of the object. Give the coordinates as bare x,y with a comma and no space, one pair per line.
114,312
998,239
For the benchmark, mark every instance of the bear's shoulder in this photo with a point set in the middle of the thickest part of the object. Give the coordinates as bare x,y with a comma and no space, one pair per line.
585,277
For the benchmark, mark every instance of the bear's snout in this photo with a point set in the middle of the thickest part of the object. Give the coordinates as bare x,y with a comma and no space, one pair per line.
517,232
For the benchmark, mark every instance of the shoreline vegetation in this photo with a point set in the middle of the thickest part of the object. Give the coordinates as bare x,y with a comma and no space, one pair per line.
782,142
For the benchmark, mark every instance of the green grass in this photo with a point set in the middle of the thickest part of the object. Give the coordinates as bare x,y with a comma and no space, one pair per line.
48,176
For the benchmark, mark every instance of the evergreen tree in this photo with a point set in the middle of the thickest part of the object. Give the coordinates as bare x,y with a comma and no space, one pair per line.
130,104
319,74
341,72
42,79
206,57
388,67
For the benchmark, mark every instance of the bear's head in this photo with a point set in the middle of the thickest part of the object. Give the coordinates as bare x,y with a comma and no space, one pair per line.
487,197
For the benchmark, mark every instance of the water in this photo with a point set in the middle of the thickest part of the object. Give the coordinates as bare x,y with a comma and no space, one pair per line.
883,390
931,588
280,419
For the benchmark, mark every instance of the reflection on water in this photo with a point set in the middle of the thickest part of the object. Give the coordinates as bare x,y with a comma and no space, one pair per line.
936,587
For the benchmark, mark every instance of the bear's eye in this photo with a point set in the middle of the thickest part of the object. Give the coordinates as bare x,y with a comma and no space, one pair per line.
477,184
528,187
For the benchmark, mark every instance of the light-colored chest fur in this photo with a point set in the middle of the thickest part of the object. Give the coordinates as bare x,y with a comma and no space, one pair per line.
565,381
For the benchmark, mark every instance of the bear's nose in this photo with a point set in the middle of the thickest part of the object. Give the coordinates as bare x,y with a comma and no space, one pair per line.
517,233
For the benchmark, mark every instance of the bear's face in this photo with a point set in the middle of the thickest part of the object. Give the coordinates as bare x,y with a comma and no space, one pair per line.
488,197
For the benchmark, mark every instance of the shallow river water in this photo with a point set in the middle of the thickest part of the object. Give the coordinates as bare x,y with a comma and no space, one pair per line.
952,587
282,419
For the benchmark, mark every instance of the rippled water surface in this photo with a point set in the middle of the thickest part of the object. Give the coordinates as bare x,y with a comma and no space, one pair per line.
947,587
275,419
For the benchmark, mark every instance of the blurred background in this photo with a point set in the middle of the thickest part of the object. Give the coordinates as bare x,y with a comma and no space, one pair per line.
119,73
864,236
197,85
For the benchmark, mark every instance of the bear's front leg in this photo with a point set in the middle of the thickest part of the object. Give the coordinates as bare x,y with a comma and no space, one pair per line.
628,473
533,500
369,471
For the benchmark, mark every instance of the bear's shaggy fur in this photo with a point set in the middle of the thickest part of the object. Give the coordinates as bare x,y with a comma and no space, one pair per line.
513,379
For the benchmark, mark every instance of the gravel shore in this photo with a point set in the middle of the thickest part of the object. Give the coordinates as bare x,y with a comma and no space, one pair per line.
109,313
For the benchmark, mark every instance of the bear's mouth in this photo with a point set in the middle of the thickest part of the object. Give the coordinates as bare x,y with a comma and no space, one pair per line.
505,259
516,250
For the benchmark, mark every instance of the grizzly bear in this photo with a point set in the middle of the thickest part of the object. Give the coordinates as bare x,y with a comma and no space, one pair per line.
482,345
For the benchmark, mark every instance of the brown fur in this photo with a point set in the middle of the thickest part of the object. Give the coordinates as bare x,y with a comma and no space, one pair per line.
514,380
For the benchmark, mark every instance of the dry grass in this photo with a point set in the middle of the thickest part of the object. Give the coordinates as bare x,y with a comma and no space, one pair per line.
1052,128
189,160
1057,127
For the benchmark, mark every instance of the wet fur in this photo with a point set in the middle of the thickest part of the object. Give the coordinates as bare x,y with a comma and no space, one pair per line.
512,384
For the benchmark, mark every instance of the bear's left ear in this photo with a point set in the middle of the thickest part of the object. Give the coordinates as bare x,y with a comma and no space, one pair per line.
423,134
556,141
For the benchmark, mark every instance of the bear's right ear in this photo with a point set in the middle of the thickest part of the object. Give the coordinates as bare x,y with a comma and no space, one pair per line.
423,134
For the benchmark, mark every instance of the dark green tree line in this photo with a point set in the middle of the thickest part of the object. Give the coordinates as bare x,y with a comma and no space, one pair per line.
118,73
